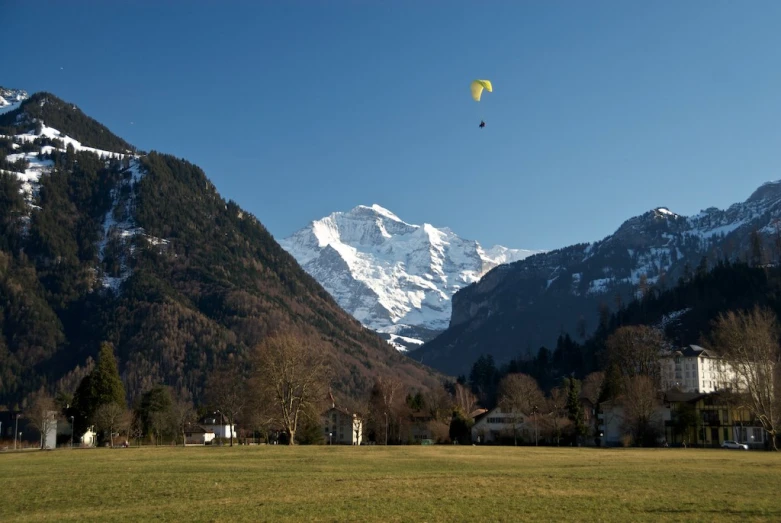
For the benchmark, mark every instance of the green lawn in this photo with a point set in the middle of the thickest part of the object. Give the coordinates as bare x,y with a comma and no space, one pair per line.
435,483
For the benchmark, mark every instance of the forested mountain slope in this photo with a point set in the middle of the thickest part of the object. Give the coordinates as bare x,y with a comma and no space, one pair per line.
99,241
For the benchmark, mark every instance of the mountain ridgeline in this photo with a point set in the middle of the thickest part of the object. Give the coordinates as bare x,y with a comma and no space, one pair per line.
102,242
517,308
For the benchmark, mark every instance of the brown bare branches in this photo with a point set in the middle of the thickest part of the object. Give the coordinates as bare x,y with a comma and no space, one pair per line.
292,375
520,393
110,417
634,349
42,413
640,404
749,343
226,390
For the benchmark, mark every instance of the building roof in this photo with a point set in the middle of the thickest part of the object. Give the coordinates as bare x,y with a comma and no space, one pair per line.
475,413
674,396
695,351
339,408
216,419
197,429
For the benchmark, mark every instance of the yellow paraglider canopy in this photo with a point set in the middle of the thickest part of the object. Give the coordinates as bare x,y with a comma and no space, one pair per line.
478,86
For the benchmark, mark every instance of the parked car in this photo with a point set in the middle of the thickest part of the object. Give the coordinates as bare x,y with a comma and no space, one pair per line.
729,444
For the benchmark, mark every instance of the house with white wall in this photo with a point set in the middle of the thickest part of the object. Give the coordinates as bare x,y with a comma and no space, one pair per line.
197,435
217,425
496,425
342,427
49,438
695,369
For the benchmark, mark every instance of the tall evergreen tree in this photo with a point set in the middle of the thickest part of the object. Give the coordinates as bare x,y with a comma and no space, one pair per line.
106,384
574,407
483,379
154,404
102,386
756,248
611,388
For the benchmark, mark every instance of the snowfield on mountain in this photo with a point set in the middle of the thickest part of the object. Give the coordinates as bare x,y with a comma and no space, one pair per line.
394,277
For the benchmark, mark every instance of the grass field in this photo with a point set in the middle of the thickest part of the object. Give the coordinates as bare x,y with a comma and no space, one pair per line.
436,483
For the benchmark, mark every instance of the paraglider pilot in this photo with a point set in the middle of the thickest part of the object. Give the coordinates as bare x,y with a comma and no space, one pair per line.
482,124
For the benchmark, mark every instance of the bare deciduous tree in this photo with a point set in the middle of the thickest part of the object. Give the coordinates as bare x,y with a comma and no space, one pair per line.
159,423
42,413
519,394
634,349
259,414
182,414
465,399
292,375
592,386
640,403
749,343
440,403
226,390
556,410
109,417
383,402
591,390
127,424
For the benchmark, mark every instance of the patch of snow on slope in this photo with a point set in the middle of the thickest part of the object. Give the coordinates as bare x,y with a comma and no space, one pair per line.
54,134
31,176
599,285
500,255
11,99
402,348
119,227
671,318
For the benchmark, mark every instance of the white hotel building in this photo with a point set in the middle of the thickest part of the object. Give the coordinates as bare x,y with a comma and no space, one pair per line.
695,369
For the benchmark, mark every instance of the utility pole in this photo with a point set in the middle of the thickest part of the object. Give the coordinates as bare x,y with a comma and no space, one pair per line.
16,430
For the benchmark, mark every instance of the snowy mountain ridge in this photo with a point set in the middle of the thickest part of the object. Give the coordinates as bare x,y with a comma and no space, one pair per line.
517,308
34,162
11,99
394,277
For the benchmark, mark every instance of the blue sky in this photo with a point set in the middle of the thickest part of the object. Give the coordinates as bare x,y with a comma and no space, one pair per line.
601,110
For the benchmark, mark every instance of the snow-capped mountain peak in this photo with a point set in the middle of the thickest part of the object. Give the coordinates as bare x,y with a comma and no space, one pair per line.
10,99
393,276
665,212
382,211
